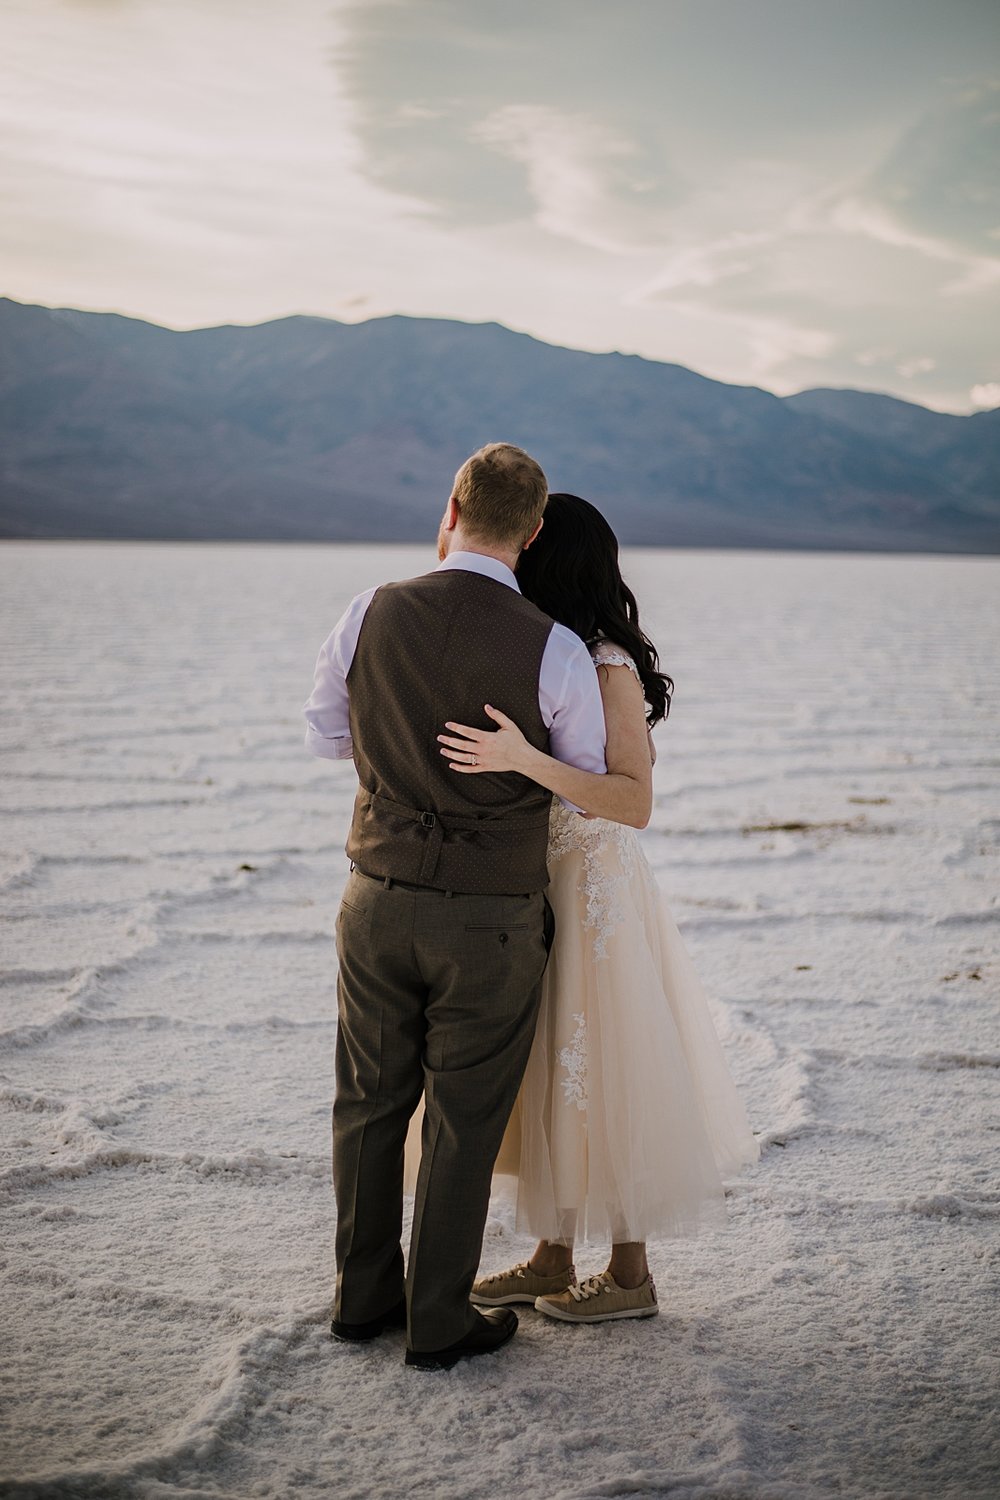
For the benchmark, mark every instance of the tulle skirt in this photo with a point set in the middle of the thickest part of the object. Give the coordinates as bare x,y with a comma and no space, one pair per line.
628,1116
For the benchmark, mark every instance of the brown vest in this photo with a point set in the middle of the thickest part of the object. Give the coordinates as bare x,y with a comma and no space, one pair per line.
434,648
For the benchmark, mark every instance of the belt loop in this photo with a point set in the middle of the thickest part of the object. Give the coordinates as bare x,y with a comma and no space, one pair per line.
387,882
449,893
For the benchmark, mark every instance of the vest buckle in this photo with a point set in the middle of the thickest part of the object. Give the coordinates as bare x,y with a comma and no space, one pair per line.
428,819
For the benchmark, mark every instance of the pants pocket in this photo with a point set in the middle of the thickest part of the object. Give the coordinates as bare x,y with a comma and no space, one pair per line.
496,926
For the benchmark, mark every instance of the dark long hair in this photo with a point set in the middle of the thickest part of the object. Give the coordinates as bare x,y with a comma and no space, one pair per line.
571,572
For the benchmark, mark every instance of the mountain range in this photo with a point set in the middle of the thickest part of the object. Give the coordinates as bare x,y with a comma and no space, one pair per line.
305,428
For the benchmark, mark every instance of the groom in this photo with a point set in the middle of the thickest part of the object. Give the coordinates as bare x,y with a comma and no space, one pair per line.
444,929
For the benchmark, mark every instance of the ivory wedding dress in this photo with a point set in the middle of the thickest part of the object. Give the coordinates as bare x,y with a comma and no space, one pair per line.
628,1116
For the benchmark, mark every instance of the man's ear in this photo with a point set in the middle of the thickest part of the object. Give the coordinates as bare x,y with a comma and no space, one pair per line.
451,514
533,535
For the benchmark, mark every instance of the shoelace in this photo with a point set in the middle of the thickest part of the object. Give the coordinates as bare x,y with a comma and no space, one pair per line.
517,1270
520,1270
592,1287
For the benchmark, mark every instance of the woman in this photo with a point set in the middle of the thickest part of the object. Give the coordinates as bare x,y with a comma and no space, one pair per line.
627,1113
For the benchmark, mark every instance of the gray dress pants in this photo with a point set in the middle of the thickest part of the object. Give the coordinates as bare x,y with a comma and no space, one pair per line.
436,994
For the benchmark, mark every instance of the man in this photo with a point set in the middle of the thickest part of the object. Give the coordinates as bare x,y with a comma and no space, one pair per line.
444,930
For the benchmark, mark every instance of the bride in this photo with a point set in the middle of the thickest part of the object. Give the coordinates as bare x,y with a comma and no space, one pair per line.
627,1116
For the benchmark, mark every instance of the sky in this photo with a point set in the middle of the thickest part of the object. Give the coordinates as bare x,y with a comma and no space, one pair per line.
783,193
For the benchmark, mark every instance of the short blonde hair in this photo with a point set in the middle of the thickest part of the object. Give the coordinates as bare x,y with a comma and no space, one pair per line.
500,493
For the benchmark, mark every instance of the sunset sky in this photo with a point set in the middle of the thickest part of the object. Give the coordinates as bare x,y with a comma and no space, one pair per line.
783,193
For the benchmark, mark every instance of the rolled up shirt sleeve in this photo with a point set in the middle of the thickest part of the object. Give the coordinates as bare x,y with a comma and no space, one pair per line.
327,709
569,697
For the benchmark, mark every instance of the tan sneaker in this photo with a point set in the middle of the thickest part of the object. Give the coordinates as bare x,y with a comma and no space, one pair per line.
519,1284
599,1299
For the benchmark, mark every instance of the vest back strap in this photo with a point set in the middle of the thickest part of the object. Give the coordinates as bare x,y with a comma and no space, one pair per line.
461,823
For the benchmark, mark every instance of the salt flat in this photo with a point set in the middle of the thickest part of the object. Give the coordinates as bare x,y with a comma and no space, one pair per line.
827,832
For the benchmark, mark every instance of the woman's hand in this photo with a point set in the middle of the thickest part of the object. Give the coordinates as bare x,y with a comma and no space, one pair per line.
475,750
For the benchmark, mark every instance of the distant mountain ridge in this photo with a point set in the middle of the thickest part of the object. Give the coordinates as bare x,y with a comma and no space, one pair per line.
309,429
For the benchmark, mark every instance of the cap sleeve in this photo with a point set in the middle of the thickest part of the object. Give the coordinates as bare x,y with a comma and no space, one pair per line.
607,654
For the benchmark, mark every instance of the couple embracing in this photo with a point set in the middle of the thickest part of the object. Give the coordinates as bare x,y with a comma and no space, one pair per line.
510,978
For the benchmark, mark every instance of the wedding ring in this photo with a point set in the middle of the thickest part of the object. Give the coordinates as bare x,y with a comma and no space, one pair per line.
474,760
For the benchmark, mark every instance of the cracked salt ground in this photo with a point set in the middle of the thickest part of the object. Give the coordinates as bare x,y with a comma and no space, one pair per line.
827,831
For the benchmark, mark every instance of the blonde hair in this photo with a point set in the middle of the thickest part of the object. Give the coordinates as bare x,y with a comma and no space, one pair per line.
500,493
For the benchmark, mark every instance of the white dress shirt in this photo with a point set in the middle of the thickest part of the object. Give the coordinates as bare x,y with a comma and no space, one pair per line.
569,697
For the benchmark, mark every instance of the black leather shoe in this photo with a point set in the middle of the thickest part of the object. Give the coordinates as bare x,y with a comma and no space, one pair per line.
493,1328
360,1333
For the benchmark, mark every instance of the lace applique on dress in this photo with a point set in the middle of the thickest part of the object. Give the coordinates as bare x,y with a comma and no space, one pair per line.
609,858
607,654
574,1059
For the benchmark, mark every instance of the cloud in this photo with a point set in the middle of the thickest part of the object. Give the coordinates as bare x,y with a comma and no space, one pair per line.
986,395
937,191
771,343
977,272
587,181
810,271
941,179
705,263
763,195
922,364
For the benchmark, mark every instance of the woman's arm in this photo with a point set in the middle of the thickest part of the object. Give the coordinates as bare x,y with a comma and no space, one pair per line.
624,795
